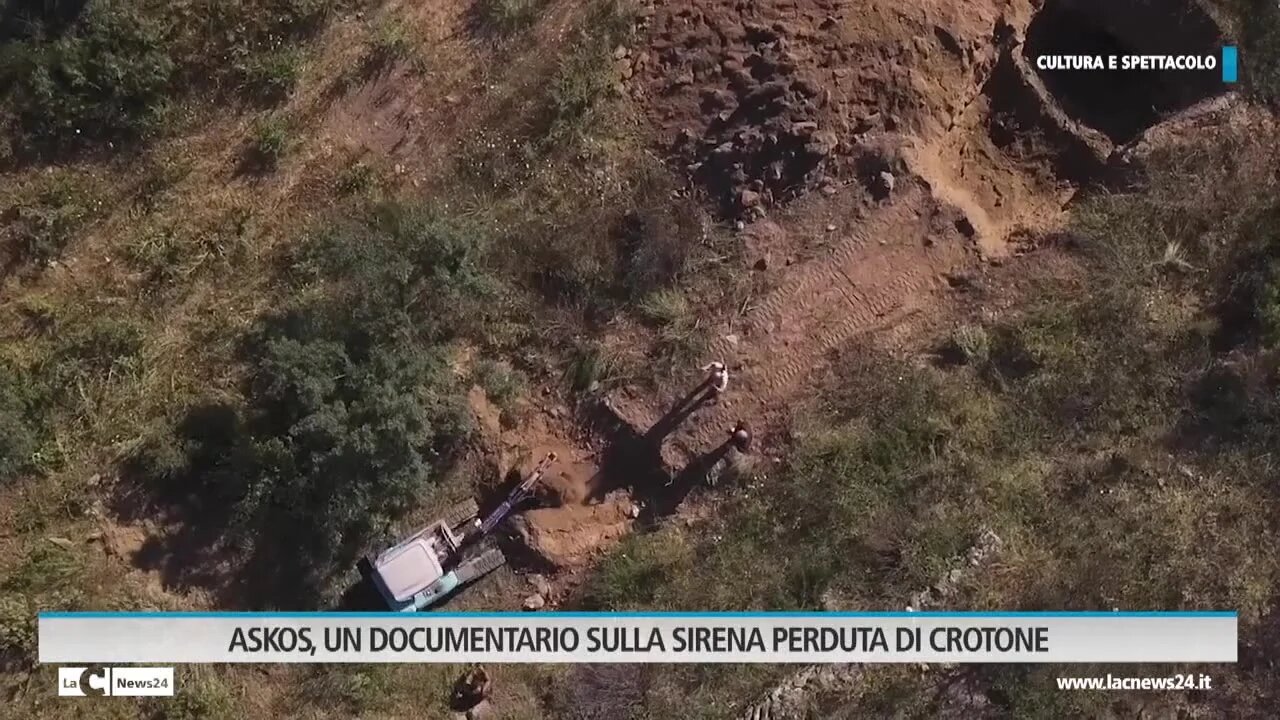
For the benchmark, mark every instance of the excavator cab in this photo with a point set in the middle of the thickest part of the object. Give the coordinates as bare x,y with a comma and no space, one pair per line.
427,567
423,569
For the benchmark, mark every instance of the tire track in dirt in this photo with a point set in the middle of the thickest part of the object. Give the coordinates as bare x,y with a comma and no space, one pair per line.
856,289
885,269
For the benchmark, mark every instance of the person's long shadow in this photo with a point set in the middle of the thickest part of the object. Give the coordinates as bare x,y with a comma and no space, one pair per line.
686,406
668,498
635,461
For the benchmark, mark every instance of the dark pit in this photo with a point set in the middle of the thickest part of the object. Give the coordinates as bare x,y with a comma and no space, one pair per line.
1123,103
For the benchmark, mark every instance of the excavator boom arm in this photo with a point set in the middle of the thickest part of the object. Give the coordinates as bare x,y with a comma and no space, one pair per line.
517,496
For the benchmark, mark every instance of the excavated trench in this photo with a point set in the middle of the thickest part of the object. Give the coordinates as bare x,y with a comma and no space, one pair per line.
1122,103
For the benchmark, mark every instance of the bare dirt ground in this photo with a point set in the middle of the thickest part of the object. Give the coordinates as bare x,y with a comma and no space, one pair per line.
878,158
851,140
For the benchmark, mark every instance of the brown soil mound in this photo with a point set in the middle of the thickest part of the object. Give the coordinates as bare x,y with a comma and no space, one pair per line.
571,523
766,100
570,536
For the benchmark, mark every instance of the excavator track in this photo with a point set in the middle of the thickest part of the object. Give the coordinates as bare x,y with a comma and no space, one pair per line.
481,565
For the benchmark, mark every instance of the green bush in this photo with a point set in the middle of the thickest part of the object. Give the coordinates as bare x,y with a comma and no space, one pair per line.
341,444
111,72
589,368
405,273
357,178
502,384
351,408
664,307
47,567
105,78
95,348
17,630
272,73
582,81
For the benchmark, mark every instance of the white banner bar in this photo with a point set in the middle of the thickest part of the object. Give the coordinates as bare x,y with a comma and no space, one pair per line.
569,637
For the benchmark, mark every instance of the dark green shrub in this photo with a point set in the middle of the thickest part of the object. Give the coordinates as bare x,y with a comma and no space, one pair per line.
105,78
111,72
351,408
404,274
342,444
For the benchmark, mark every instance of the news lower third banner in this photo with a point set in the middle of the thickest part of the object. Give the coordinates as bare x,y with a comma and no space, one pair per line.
583,637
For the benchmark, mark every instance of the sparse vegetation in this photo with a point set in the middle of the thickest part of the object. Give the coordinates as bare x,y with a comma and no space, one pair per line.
43,579
35,231
1115,451
270,141
357,178
22,422
578,88
203,698
506,17
502,384
359,690
585,76
272,73
17,630
589,369
664,307
390,39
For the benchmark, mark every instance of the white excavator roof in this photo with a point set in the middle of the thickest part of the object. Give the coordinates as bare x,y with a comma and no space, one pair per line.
410,568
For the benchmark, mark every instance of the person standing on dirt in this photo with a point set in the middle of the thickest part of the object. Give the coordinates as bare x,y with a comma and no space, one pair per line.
717,377
740,437
472,688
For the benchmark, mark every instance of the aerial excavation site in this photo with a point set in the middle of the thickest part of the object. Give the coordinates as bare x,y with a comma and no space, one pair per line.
620,309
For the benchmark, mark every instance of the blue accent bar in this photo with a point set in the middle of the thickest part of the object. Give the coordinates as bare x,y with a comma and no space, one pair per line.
606,614
1230,63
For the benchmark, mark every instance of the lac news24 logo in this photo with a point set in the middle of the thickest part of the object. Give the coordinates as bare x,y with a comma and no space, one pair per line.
97,681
